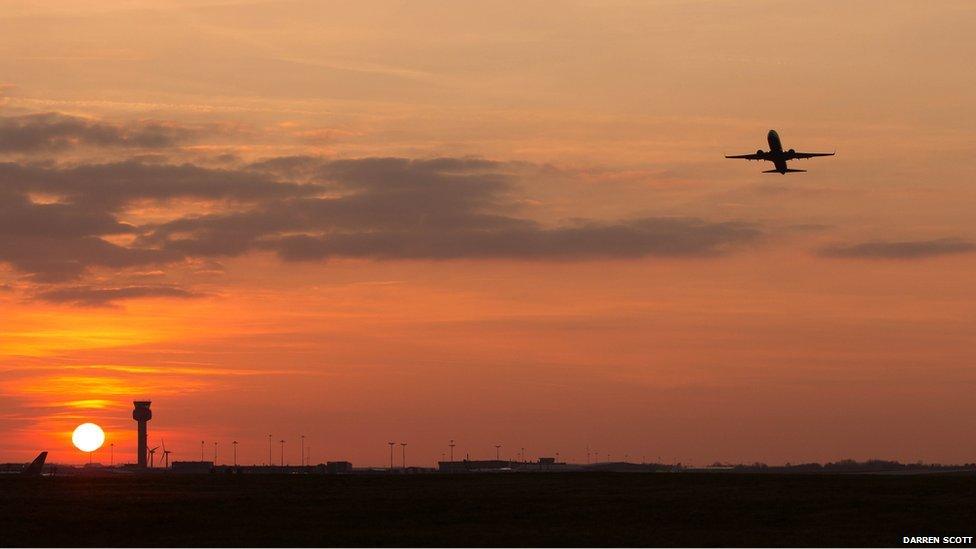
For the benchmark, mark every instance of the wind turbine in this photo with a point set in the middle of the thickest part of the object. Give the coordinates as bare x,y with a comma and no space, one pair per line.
152,457
166,454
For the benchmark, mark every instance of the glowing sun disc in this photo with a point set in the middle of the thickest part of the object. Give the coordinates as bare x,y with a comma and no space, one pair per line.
88,437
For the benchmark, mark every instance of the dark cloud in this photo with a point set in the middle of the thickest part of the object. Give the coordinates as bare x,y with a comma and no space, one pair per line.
58,221
663,237
54,131
393,173
58,259
60,240
445,208
913,249
19,216
288,166
99,297
808,227
113,185
361,196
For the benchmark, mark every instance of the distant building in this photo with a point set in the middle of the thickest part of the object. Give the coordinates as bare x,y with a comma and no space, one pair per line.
192,467
337,467
475,466
545,464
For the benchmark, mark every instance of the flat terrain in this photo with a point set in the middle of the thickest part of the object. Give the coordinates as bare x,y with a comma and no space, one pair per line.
593,509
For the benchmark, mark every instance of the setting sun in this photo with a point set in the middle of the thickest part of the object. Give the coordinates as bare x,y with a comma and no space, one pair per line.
88,437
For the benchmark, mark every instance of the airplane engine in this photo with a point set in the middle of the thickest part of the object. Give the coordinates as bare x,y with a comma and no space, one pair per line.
791,151
759,153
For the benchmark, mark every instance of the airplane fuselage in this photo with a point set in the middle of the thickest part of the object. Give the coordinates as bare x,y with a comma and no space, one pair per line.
776,154
775,146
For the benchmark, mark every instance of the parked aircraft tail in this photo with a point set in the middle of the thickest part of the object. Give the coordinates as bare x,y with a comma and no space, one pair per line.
35,467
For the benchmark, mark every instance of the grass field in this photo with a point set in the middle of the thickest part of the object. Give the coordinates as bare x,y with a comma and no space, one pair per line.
590,509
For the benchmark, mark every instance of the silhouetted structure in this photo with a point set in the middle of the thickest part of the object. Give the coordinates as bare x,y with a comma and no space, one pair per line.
476,465
36,466
142,415
192,467
337,467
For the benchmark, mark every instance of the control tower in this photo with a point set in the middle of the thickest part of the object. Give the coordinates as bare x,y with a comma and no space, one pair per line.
142,414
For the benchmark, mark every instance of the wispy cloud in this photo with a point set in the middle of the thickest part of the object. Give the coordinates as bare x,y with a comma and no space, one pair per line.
908,249
100,297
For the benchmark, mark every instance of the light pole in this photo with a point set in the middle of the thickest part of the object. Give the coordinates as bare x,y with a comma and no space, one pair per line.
235,453
452,449
392,444
215,452
111,449
303,450
202,458
403,448
523,455
282,442
270,458
497,448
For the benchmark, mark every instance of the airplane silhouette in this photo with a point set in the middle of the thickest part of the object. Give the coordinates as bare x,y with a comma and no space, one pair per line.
777,155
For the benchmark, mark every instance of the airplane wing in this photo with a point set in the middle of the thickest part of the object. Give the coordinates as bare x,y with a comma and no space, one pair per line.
799,155
752,156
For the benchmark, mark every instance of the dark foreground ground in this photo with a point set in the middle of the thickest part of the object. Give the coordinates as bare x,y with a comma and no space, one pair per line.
592,509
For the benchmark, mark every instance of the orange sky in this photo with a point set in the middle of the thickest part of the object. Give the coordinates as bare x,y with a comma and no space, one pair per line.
500,224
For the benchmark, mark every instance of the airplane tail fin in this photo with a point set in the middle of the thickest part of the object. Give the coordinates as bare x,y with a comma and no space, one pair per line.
34,469
786,171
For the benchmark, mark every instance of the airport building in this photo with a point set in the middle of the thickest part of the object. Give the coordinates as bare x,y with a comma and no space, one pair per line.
338,467
192,467
500,466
